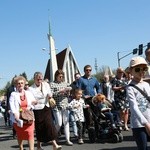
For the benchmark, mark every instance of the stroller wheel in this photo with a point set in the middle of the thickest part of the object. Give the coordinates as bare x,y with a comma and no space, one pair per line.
120,137
115,138
91,134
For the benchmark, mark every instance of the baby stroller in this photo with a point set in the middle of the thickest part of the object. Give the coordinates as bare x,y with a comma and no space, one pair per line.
103,129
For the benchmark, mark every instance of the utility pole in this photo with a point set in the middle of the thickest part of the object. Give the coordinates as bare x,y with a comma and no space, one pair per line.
96,66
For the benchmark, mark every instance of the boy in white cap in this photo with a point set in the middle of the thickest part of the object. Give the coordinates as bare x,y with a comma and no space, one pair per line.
139,105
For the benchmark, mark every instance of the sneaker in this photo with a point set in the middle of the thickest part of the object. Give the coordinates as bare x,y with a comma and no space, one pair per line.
113,126
120,124
69,143
80,141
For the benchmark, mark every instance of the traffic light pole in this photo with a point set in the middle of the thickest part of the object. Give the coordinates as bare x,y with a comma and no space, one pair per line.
119,58
139,50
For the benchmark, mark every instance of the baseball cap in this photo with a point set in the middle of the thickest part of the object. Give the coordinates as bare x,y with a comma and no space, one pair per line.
137,61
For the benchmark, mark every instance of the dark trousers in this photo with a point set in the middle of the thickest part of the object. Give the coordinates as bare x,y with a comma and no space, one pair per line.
141,138
109,116
80,129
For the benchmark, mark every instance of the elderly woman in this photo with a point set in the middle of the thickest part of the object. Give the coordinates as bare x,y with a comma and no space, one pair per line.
21,99
44,126
61,91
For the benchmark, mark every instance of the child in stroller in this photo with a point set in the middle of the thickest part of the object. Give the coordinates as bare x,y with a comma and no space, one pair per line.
106,110
108,129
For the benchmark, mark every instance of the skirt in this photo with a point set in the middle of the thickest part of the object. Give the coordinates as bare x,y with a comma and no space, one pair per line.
44,125
26,132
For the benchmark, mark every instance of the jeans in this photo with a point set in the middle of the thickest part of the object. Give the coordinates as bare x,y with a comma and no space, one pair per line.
141,138
109,116
73,123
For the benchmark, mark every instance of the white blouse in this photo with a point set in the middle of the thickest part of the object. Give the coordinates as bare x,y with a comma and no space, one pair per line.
40,93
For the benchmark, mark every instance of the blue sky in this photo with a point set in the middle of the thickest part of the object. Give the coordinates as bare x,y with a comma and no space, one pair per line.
93,28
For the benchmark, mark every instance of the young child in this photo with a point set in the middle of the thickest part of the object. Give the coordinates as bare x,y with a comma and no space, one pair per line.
77,105
139,105
105,108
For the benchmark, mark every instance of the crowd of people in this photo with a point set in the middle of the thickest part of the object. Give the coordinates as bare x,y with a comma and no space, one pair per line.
115,96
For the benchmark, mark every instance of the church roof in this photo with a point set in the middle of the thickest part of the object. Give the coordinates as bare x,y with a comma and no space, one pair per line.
60,57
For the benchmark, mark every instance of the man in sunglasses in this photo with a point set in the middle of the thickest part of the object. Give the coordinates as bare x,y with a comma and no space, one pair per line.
90,87
88,83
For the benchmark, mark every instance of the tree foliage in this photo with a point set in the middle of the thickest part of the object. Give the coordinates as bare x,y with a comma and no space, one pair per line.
3,91
104,70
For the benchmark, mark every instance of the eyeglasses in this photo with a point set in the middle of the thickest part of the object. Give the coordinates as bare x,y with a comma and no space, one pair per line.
26,84
140,69
19,83
88,70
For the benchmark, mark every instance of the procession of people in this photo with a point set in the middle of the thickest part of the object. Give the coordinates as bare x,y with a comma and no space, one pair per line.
59,105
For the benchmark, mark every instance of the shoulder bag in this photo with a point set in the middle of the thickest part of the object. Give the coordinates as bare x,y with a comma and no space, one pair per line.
141,91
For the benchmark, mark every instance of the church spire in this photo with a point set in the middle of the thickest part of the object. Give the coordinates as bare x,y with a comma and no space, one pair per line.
52,52
50,34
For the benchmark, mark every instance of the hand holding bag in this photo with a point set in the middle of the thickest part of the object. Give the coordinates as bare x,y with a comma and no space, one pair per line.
52,102
27,116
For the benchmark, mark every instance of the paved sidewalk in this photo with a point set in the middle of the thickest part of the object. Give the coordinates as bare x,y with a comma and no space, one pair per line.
8,143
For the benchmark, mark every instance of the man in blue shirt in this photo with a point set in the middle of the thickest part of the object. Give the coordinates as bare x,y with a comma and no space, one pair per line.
88,84
90,87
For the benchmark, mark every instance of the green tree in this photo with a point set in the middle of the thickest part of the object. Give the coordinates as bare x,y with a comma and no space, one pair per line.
24,75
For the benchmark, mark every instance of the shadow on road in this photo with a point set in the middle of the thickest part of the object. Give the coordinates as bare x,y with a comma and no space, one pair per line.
122,148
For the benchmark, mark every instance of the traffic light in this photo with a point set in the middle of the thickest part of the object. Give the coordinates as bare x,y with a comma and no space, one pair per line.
140,49
135,51
148,45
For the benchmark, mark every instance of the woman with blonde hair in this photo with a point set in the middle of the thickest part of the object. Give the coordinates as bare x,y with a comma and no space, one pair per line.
21,100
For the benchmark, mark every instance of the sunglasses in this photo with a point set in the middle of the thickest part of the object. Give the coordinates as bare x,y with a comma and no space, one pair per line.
140,69
88,70
26,84
39,79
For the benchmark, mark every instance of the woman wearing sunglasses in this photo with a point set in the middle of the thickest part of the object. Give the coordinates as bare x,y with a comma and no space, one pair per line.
139,105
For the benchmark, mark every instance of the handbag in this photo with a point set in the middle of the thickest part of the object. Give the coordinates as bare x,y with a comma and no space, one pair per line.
27,116
52,102
142,92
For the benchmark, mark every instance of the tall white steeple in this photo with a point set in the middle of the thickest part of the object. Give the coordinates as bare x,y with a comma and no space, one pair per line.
52,52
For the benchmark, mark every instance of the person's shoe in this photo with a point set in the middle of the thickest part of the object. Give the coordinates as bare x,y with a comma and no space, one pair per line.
120,123
59,147
80,141
113,126
40,148
126,129
69,143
